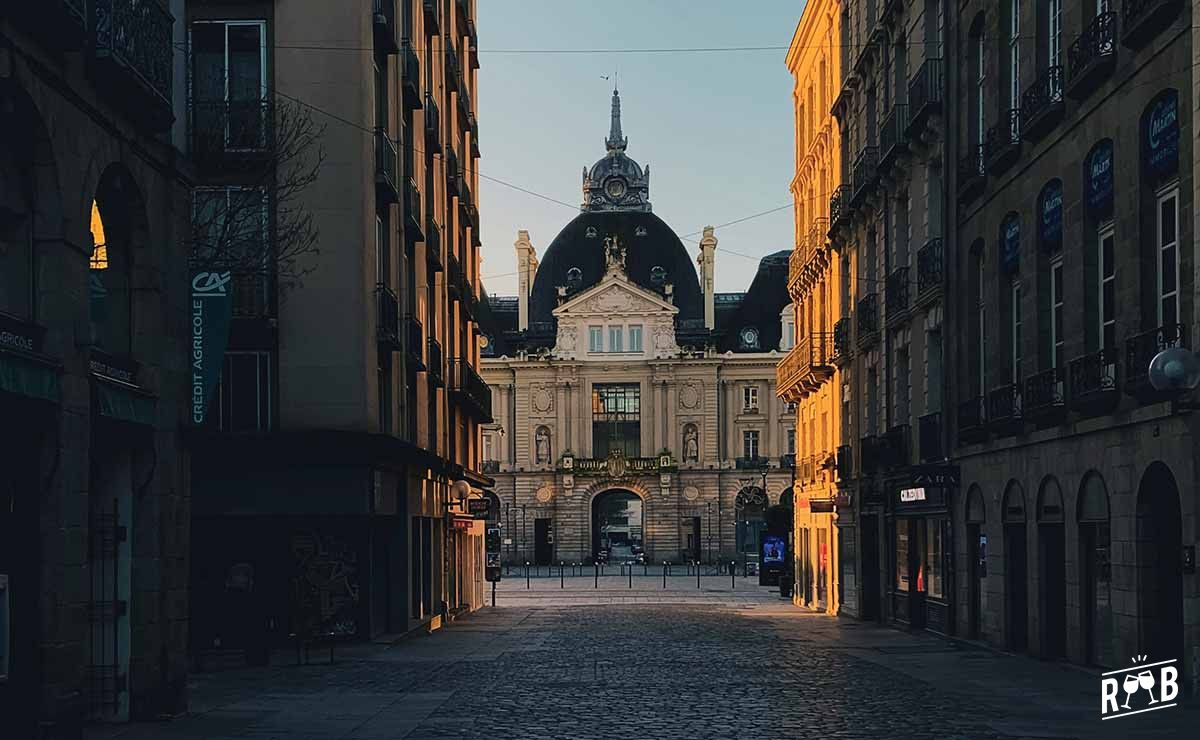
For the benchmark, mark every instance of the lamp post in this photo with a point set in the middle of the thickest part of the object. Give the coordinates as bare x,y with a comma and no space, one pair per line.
708,510
524,548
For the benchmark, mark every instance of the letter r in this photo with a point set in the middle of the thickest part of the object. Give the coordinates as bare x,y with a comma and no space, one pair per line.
1108,694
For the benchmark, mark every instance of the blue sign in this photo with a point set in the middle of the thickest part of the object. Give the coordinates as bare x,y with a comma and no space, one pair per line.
1010,237
1050,211
212,308
1161,137
774,550
1100,179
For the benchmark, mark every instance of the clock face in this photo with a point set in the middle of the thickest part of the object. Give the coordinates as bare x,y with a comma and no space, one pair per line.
615,188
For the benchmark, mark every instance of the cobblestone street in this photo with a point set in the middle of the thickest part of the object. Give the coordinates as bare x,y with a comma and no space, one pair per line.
685,662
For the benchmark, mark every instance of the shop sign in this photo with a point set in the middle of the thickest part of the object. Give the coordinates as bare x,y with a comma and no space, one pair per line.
1162,135
1100,179
461,524
935,475
1011,239
912,494
1051,215
212,308
821,505
491,543
17,335
480,508
106,366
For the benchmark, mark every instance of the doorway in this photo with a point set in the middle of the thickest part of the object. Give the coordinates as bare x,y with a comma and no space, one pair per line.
1159,564
543,541
617,529
870,567
1016,590
1052,571
977,561
693,539
20,625
1095,597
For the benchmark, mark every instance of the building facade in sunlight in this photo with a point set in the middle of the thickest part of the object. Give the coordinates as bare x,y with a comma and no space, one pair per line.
635,408
824,529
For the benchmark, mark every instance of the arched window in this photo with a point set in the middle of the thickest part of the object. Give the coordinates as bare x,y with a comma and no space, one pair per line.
977,63
108,279
1050,502
1013,509
1101,329
976,512
1092,513
1050,221
1012,49
1160,167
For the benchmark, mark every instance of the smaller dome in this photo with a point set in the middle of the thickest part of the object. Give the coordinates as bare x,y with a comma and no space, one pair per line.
616,182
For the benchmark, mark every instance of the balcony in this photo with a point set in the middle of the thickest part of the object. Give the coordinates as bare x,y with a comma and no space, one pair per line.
471,391
433,362
221,129
411,77
787,461
62,24
751,463
806,367
895,297
454,276
972,174
433,246
1042,104
1004,409
1092,57
433,15
132,45
453,174
842,351
897,445
387,318
929,437
489,467
930,261
1002,142
868,319
1140,349
1142,20
433,123
412,211
415,342
453,70
386,190
796,262
806,470
384,17
972,420
845,462
839,207
891,136
252,296
1045,402
924,97
866,174
872,451
1093,379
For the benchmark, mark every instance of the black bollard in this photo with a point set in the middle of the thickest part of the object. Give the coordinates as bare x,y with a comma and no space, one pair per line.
596,584
527,575
493,594
561,581
631,575
732,575
664,574
645,568
697,574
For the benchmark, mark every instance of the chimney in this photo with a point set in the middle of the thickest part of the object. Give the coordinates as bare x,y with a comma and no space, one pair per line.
706,260
526,269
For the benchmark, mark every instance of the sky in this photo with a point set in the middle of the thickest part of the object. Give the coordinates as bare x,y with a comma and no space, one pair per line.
715,127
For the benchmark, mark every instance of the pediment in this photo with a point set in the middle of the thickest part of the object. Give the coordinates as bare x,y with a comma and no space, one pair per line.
615,296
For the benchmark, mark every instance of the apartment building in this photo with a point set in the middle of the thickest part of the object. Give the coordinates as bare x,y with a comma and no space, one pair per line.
94,376
333,464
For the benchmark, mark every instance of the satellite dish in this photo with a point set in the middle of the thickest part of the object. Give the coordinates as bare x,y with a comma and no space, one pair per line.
1175,370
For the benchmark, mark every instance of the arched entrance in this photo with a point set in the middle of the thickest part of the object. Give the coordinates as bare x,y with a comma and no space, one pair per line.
618,533
1159,567
1016,593
1052,570
1095,577
750,507
976,517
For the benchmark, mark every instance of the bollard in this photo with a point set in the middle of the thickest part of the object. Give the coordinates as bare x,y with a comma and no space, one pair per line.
631,575
645,568
527,575
493,594
664,574
697,574
561,581
597,567
732,576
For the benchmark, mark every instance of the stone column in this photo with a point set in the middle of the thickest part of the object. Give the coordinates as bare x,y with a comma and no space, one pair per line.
656,401
773,449
671,416
560,420
731,411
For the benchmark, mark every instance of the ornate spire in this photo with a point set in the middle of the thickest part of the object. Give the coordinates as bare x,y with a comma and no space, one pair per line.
615,139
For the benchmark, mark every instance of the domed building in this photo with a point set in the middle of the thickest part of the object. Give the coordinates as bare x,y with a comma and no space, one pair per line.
635,409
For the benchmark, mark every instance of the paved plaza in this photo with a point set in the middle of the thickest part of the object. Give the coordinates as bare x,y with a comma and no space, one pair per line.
586,660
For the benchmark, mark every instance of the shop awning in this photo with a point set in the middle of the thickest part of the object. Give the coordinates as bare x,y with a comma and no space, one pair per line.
29,378
119,403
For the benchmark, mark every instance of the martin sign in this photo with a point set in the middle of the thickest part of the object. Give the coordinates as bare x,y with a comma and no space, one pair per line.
212,306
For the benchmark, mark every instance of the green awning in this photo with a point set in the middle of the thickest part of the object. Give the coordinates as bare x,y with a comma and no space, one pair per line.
123,404
28,378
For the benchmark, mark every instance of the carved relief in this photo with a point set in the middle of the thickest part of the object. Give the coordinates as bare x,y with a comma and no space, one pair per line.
568,336
545,494
541,444
691,493
691,443
543,400
689,397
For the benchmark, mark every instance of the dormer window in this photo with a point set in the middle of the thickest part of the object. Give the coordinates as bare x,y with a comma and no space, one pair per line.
658,275
748,338
574,278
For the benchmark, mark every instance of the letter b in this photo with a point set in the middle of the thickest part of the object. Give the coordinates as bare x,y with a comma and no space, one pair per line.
1169,683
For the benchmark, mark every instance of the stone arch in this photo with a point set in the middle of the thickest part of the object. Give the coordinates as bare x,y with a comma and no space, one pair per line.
1050,502
618,525
118,226
1092,503
1012,508
976,510
1158,541
1095,571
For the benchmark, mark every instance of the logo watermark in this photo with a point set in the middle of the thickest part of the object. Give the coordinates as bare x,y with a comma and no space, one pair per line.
1159,680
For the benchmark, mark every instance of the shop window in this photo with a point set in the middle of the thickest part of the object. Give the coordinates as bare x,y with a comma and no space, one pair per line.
902,573
934,557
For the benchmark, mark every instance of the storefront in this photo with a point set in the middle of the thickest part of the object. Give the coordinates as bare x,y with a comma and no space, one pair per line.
921,552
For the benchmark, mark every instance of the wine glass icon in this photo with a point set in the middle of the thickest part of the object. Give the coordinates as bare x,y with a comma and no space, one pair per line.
1146,680
1130,685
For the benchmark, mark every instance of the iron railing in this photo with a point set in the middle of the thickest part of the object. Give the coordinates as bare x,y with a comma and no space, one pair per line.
1041,101
841,338
384,17
972,419
1044,392
1002,142
925,93
1093,375
387,317
1004,406
433,15
752,463
415,341
866,170
845,461
470,387
228,126
891,132
896,293
136,36
868,315
433,362
433,122
433,244
972,172
1140,349
839,206
411,76
929,266
385,167
1093,53
898,446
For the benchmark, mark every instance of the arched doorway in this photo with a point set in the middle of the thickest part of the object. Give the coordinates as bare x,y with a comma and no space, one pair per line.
1052,570
976,516
750,507
617,527
116,219
1095,576
1159,541
1016,593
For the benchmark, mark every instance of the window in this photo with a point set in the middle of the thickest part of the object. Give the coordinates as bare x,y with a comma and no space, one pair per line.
980,325
1015,329
228,85
750,444
791,441
635,338
980,59
1168,256
244,393
616,335
901,389
750,399
616,419
1057,339
385,393
595,339
231,227
17,268
872,408
1107,295
381,253
1053,32
934,556
902,556
1014,54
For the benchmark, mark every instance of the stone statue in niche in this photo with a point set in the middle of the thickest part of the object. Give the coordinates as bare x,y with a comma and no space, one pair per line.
541,440
691,444
614,254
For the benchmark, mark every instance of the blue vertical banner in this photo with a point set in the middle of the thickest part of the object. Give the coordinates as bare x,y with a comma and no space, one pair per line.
1100,180
1050,216
1161,135
1010,238
211,311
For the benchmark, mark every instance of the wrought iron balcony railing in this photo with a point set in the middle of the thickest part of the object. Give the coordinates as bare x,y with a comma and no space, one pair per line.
807,365
471,389
841,340
383,13
387,317
385,168
1093,55
433,15
929,436
433,124
1004,409
1042,104
868,317
845,462
1142,20
872,452
1002,142
453,174
411,76
972,420
839,206
930,261
898,446
896,294
132,44
1044,395
229,127
433,361
972,173
454,275
1140,349
453,70
818,238
925,95
866,173
751,463
433,245
891,135
414,335
413,215
1093,381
